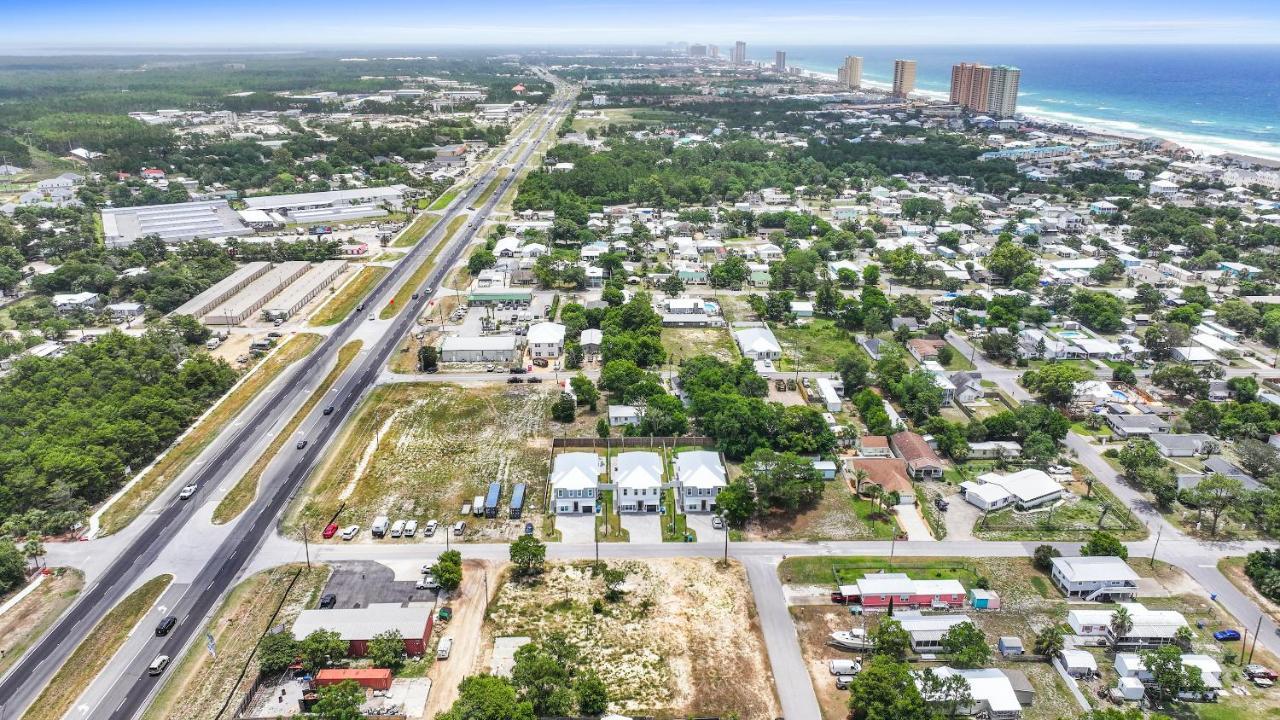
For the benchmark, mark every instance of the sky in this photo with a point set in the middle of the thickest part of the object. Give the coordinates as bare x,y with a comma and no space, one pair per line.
266,24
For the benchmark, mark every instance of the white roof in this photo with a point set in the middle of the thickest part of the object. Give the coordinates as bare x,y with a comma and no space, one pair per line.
575,471
1106,568
988,686
1193,353
700,469
913,621
546,333
639,469
591,336
1073,658
1026,485
487,342
758,340
364,623
989,494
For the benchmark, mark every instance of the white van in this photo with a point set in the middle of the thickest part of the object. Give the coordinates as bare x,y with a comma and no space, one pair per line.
212,343
411,528
459,528
477,506
844,667
158,665
397,528
444,648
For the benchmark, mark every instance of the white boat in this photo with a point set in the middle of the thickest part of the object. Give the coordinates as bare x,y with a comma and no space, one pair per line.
855,639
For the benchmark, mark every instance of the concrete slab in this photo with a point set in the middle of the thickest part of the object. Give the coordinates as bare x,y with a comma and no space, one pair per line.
643,527
911,521
700,524
576,528
504,654
362,583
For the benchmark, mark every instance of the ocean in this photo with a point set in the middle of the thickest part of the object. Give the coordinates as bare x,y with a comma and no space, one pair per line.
1208,98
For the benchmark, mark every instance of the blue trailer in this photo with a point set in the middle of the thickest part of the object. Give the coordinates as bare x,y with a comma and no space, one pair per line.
517,501
491,500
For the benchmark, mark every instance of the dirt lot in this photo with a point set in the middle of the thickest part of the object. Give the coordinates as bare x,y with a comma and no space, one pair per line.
25,621
422,450
198,686
838,516
469,604
688,342
683,641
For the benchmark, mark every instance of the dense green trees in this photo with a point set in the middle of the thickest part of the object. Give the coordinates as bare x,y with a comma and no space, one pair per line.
74,426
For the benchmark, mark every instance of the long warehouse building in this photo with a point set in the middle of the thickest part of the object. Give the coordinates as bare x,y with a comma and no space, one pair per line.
174,223
248,301
221,291
301,292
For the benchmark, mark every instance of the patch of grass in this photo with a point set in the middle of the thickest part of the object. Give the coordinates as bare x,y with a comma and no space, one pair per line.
445,198
675,525
816,570
177,459
608,524
1081,429
27,620
345,300
410,286
95,650
815,345
420,226
244,491
959,361
492,186
549,531
688,342
197,685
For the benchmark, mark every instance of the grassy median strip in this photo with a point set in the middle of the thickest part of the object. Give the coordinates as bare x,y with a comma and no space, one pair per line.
247,488
420,226
27,620
443,201
199,684
177,459
410,286
94,651
341,304
493,185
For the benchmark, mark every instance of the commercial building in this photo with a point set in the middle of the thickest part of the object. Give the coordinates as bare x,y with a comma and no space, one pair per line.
904,77
739,53
305,289
850,73
491,348
780,61
357,626
220,291
257,294
331,205
179,222
698,50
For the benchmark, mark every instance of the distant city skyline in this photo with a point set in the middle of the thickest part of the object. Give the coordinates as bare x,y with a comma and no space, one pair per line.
144,24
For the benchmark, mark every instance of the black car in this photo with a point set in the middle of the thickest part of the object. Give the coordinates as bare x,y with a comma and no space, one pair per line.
940,503
534,379
328,600
328,410
302,444
518,370
514,380
360,307
165,626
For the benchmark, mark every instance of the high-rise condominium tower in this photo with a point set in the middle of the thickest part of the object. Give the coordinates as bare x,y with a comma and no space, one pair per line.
904,77
780,61
850,73
739,53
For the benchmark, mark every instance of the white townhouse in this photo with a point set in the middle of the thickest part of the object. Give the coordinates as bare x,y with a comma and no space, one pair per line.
575,477
699,479
637,481
546,340
1093,578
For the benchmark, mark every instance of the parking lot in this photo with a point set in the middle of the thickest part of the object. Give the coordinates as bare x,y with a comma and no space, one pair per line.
359,584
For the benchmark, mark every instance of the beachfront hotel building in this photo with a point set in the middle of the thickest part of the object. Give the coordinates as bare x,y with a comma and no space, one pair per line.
985,89
904,77
739,53
780,61
850,73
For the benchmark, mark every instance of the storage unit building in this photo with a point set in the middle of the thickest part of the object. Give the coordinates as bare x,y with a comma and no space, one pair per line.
491,500
251,299
305,289
222,290
517,501
492,348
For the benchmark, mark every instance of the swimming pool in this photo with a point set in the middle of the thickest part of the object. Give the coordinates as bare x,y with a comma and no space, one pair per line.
1071,334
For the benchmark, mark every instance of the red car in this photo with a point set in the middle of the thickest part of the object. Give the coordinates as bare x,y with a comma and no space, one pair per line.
330,530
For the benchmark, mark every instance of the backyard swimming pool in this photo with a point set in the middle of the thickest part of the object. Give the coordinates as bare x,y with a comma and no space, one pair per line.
1071,334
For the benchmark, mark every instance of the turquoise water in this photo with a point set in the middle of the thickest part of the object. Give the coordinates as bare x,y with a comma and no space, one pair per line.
1215,98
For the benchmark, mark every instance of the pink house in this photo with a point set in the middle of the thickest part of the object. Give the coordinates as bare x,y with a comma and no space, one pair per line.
875,591
152,174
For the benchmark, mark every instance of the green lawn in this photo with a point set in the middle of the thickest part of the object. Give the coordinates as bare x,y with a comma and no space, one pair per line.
814,346
443,201
815,570
959,361
416,231
675,527
608,524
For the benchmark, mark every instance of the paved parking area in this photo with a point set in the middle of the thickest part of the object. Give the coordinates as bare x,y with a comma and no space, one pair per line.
700,524
912,522
643,527
576,528
960,516
362,583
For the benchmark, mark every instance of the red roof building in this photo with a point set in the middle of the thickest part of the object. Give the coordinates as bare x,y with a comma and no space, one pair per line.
372,678
152,174
922,461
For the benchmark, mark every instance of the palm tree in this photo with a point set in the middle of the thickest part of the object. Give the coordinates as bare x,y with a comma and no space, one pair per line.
1121,625
1050,641
33,549
859,476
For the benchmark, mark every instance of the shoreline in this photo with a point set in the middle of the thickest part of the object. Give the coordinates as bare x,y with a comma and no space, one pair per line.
1199,143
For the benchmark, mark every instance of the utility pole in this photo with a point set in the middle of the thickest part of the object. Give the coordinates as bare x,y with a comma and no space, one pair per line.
1253,647
726,541
1159,532
306,547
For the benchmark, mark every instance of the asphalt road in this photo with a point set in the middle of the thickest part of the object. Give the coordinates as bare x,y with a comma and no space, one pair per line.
26,678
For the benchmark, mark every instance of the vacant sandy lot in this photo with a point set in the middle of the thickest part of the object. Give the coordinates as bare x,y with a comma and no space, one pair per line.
684,639
23,623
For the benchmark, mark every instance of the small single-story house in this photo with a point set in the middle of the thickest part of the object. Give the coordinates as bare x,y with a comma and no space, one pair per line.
922,461
1010,645
923,349
620,415
926,631
888,472
1078,663
980,599
877,590
1029,488
991,690
878,446
590,341
994,449
1181,444
1194,355
758,343
357,626
1141,426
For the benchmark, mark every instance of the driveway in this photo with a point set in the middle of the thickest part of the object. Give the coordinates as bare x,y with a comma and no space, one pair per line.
643,527
700,524
961,516
912,522
576,528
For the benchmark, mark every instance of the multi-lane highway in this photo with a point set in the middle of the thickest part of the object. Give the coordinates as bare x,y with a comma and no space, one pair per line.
130,693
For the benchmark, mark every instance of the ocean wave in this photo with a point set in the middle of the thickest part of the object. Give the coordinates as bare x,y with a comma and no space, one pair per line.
1202,122
1209,144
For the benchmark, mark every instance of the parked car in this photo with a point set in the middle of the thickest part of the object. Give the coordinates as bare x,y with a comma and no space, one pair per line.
1254,671
518,370
430,529
940,503
540,362
188,491
513,380
350,532
528,528
397,528
533,380
842,681
411,528
444,648
428,582
791,384
717,522
329,530
1226,635
328,600
490,368
459,528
